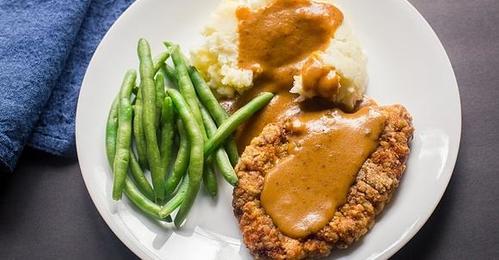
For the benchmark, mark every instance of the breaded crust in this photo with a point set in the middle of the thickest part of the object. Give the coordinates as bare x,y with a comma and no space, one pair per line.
374,185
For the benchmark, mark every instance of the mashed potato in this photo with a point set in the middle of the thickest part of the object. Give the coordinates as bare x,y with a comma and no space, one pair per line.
217,57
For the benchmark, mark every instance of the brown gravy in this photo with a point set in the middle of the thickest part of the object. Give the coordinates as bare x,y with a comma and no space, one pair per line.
327,146
283,33
273,42
326,150
320,79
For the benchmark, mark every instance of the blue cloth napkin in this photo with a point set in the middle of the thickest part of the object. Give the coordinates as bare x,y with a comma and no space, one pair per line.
45,47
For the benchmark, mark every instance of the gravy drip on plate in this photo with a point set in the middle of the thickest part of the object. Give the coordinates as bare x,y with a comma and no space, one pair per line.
275,42
326,150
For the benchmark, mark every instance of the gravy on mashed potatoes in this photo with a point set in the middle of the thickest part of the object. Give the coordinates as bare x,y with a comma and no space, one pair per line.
231,71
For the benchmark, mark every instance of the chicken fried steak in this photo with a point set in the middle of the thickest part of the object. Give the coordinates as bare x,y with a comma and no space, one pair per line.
372,188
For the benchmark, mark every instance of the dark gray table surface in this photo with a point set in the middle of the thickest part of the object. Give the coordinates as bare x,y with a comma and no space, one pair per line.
46,212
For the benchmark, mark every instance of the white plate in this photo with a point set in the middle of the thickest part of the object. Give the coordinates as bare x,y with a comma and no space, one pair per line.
407,65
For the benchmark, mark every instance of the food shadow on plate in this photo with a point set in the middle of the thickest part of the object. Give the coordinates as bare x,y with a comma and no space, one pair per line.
162,230
128,212
219,237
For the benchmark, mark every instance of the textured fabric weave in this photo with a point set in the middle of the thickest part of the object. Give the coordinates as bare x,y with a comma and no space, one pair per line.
45,47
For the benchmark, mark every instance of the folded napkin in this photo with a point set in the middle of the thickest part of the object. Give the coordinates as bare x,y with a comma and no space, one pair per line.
45,47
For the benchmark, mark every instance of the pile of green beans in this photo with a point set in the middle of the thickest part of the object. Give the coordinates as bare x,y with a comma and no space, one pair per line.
173,130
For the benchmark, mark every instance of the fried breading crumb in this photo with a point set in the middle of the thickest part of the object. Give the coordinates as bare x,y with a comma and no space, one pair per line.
374,185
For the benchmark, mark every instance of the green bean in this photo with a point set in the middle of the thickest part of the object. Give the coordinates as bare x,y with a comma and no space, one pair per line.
210,178
223,163
138,199
181,162
138,131
149,117
159,83
196,159
141,202
185,85
160,60
168,45
124,135
112,130
168,82
235,120
177,200
215,110
187,89
136,90
167,134
170,73
140,178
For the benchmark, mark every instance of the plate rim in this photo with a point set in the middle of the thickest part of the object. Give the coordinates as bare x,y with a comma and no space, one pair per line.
144,253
